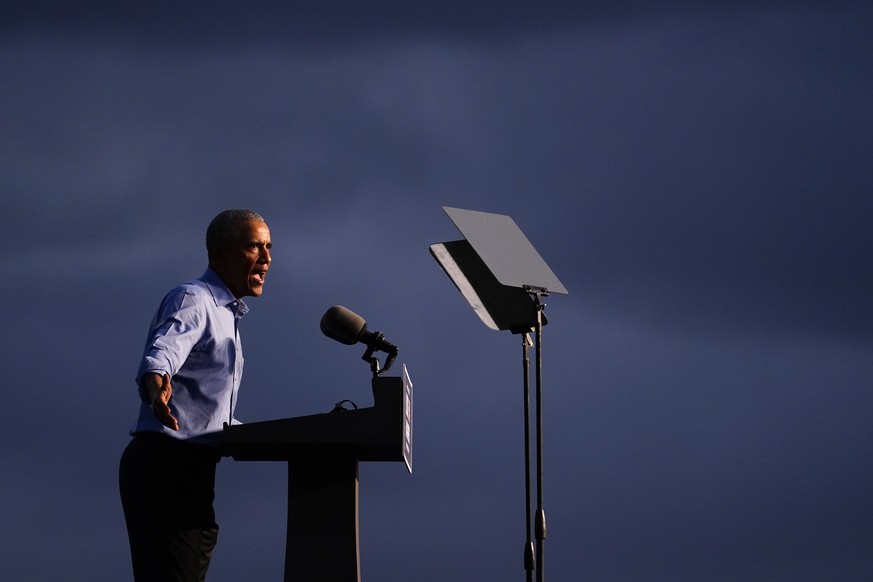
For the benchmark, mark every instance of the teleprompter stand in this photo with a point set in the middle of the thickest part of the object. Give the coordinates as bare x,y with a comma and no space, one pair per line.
323,452
504,280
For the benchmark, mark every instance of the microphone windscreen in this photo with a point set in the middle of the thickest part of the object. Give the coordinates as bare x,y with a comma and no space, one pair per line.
342,325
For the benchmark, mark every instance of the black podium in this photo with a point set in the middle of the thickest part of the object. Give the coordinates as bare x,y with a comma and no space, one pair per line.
323,452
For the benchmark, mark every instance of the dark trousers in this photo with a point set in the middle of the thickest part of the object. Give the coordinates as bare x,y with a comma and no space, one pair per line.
167,489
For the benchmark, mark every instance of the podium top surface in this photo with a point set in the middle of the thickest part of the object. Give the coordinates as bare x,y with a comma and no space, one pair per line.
382,432
502,246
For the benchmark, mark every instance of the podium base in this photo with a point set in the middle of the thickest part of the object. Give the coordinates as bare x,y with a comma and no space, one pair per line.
323,539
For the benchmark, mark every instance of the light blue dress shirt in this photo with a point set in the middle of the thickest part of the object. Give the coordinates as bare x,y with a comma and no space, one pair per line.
194,337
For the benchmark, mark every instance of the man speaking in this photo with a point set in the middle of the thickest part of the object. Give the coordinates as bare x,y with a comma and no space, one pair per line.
188,380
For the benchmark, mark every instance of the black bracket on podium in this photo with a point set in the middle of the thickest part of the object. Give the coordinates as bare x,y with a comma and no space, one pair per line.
323,452
504,280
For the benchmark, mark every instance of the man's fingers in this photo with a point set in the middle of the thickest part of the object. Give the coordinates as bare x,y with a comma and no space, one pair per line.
163,414
161,408
170,422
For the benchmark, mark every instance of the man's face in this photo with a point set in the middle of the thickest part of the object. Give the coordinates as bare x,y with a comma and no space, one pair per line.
243,264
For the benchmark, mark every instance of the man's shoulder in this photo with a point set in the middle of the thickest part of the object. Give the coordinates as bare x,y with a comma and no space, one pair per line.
192,287
194,291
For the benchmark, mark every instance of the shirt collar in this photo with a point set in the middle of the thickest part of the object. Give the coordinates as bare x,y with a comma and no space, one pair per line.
222,295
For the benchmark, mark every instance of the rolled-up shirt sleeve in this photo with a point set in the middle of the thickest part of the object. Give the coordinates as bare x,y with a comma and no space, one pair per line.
177,327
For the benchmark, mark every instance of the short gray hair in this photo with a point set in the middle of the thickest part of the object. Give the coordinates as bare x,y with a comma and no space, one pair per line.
226,228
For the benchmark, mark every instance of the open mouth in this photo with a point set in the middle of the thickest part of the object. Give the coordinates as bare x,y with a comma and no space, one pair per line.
259,276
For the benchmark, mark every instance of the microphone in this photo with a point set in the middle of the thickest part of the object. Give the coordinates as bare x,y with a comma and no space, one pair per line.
347,327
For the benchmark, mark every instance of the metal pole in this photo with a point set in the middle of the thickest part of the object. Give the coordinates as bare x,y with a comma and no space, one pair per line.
529,559
541,512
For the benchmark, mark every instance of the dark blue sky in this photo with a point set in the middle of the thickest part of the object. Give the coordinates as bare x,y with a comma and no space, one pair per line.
698,178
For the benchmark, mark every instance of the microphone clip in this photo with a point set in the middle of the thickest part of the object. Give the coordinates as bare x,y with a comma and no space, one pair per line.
374,361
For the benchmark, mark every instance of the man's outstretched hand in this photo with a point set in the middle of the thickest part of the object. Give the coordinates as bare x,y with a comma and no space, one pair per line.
159,390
